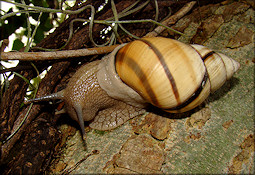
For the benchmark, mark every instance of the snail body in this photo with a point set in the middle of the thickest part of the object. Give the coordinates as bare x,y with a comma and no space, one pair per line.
166,73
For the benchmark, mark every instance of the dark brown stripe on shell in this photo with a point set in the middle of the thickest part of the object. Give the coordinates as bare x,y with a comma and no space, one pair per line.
200,88
194,96
207,55
132,64
165,67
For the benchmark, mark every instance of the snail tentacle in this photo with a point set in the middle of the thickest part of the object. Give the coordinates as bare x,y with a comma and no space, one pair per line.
54,96
78,109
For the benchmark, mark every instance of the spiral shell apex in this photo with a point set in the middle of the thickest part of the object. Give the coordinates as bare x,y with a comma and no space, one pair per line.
219,67
172,75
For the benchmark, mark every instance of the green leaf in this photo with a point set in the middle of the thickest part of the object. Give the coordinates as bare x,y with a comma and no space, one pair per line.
39,35
17,44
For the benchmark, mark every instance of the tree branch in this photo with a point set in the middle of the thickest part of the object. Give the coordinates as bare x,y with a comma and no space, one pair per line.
35,56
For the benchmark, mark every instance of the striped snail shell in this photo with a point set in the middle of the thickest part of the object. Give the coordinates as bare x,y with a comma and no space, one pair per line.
171,75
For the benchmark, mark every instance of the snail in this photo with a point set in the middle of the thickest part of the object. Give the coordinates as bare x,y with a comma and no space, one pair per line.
166,73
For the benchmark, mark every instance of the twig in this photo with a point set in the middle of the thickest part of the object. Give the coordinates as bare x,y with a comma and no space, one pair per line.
30,56
172,19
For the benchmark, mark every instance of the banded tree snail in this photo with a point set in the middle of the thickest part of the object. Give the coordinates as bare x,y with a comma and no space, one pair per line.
170,75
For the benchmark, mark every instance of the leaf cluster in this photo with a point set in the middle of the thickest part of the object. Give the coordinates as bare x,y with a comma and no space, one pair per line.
9,26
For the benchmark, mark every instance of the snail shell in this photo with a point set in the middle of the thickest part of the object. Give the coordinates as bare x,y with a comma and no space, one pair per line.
171,75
